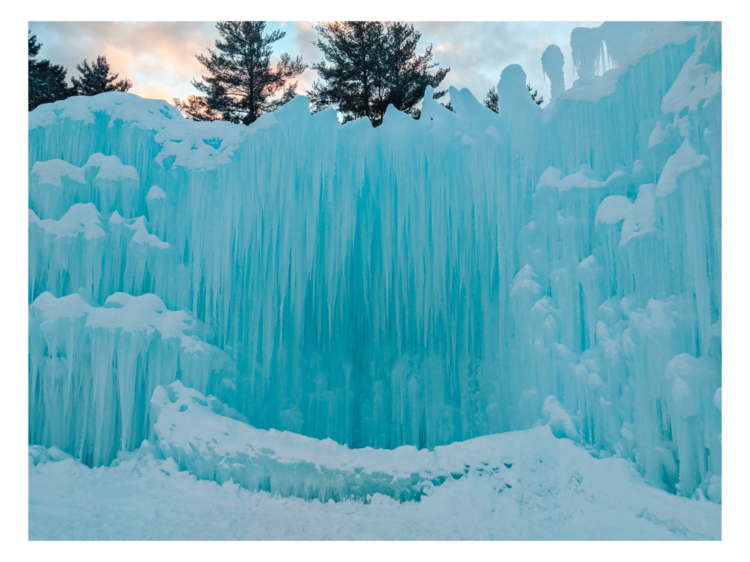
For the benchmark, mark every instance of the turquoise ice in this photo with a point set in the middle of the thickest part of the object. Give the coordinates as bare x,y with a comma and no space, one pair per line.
423,283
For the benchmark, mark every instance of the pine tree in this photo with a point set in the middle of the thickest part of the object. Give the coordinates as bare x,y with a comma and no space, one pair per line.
196,108
535,95
51,83
47,81
96,79
32,50
368,65
351,73
406,73
242,85
492,98
33,47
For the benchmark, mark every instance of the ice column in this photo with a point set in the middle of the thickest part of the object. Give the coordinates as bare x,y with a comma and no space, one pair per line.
552,66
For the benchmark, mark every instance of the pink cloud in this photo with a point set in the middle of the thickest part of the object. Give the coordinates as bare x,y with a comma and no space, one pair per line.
159,57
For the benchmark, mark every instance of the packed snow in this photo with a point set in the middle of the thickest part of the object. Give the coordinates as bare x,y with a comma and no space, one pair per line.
340,319
212,476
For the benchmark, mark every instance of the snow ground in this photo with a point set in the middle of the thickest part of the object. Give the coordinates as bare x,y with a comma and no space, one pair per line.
552,490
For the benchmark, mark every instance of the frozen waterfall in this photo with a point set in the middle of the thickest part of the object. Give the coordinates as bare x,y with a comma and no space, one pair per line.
425,282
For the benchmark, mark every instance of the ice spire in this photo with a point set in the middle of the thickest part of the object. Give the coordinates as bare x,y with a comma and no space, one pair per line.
552,66
513,95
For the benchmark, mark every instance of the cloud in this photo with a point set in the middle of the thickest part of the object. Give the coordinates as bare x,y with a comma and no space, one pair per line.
147,53
477,52
304,36
159,57
156,90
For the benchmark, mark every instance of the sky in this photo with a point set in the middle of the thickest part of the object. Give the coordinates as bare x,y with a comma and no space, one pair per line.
159,57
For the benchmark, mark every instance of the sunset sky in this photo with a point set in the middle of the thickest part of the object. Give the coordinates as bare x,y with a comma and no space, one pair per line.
159,57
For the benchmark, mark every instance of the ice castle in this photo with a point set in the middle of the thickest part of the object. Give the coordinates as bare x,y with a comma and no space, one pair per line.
418,284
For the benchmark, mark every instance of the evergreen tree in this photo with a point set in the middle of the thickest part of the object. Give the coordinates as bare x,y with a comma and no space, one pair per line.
492,98
368,65
196,108
96,79
535,95
51,83
351,73
33,47
242,85
47,81
32,50
406,73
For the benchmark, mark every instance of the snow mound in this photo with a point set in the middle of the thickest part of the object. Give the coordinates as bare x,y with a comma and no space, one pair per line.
685,160
40,455
542,488
81,218
583,179
105,181
214,443
561,422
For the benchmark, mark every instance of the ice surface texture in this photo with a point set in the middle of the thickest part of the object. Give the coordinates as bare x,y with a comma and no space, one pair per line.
421,283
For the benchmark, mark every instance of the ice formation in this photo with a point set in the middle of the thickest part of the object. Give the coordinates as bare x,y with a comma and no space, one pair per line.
426,282
91,369
553,62
214,442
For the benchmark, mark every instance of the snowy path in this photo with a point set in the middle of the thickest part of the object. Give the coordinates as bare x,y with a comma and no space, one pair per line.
553,490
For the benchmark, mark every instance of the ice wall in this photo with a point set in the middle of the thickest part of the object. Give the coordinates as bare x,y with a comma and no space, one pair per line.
420,283
93,369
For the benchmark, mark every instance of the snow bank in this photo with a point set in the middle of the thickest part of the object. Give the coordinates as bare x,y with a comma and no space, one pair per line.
545,489
214,442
